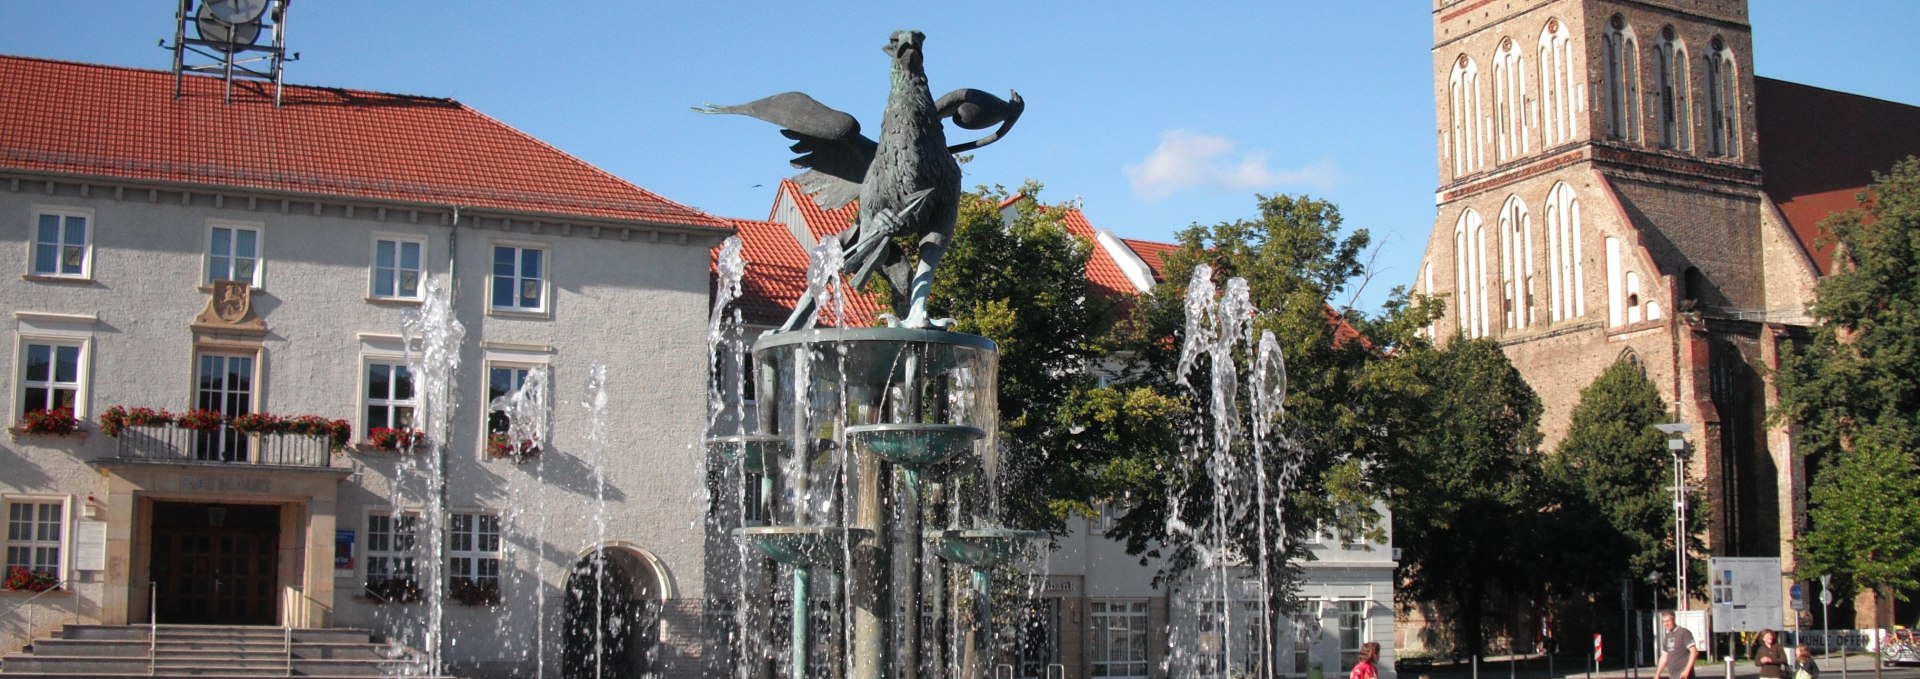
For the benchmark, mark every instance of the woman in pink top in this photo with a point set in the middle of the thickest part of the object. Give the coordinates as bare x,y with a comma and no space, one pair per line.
1369,654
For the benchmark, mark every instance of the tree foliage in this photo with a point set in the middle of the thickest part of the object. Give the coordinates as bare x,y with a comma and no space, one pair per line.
1344,396
1466,491
1618,471
1022,283
1854,391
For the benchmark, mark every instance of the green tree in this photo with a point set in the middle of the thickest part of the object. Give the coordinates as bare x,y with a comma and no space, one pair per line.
1466,491
1022,283
1343,405
1614,517
1854,389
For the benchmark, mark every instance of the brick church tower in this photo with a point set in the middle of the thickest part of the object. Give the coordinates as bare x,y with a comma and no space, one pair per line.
1602,199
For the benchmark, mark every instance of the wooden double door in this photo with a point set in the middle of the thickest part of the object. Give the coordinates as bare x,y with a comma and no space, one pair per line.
216,563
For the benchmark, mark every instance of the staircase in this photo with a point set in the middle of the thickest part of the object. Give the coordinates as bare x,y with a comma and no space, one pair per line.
208,652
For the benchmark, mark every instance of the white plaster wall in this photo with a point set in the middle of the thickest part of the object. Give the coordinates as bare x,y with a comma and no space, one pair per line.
636,306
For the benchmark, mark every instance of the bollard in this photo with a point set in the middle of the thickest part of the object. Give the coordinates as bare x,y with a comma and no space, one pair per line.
1729,667
1476,667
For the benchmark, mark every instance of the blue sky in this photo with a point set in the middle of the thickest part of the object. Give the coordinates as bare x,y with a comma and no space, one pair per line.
1157,115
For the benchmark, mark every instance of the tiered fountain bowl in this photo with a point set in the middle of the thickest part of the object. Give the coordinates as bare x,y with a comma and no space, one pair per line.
984,548
800,545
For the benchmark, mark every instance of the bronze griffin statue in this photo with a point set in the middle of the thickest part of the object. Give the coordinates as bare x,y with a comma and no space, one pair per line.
907,182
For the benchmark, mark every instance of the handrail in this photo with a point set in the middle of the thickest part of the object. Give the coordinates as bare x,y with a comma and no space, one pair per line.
153,625
60,586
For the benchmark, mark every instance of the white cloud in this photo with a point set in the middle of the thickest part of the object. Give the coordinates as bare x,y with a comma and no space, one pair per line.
1190,160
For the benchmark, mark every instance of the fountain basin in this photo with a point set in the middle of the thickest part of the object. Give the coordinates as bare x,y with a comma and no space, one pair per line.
799,545
915,445
751,450
983,548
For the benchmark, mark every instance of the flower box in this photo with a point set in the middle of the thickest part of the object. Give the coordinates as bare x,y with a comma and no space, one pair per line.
500,446
24,580
55,422
394,440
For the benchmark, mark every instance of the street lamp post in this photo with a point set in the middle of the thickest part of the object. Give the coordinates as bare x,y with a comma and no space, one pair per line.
1677,444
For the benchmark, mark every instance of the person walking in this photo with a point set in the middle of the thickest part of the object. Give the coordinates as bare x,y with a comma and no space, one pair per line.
1769,656
1364,669
1808,669
1676,650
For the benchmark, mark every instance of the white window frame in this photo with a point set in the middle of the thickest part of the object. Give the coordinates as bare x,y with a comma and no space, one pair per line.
23,343
399,241
1102,614
60,543
519,280
207,276
1352,610
403,560
230,445
60,242
486,405
475,558
367,401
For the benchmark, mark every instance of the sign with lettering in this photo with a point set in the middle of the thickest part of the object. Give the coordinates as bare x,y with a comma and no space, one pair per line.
1060,586
90,549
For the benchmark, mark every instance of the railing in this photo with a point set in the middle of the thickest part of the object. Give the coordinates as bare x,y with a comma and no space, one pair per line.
60,586
172,444
153,624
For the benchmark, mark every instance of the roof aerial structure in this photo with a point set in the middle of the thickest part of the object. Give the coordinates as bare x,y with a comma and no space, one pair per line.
1820,148
89,121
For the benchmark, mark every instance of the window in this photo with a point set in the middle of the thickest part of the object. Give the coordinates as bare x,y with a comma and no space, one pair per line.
391,576
1463,116
1676,107
1470,271
1566,280
1119,638
62,243
1556,83
1509,101
390,401
396,268
35,533
473,558
504,382
519,278
1722,102
1353,632
224,384
233,254
50,375
1306,630
1516,263
1621,82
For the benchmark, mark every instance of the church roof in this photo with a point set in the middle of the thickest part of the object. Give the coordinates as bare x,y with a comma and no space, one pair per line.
1819,148
88,121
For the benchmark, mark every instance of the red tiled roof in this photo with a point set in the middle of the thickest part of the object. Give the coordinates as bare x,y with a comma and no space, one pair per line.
776,276
1820,147
819,222
88,120
1102,271
1154,253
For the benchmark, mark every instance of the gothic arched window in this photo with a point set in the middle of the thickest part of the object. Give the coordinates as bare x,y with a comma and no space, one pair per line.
1516,263
1509,101
1676,104
1620,80
1566,274
1470,273
1723,101
1556,83
1463,116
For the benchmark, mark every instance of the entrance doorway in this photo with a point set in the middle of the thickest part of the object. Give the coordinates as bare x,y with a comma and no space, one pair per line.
215,563
612,616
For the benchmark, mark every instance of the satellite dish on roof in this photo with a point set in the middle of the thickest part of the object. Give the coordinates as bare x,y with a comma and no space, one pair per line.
230,23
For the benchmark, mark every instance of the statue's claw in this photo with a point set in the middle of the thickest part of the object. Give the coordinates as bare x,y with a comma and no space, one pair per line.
940,323
891,320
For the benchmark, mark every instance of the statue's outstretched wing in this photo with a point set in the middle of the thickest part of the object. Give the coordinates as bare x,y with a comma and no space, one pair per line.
976,110
828,142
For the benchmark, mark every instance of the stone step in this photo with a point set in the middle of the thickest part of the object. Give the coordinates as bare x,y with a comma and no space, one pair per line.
214,632
207,652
